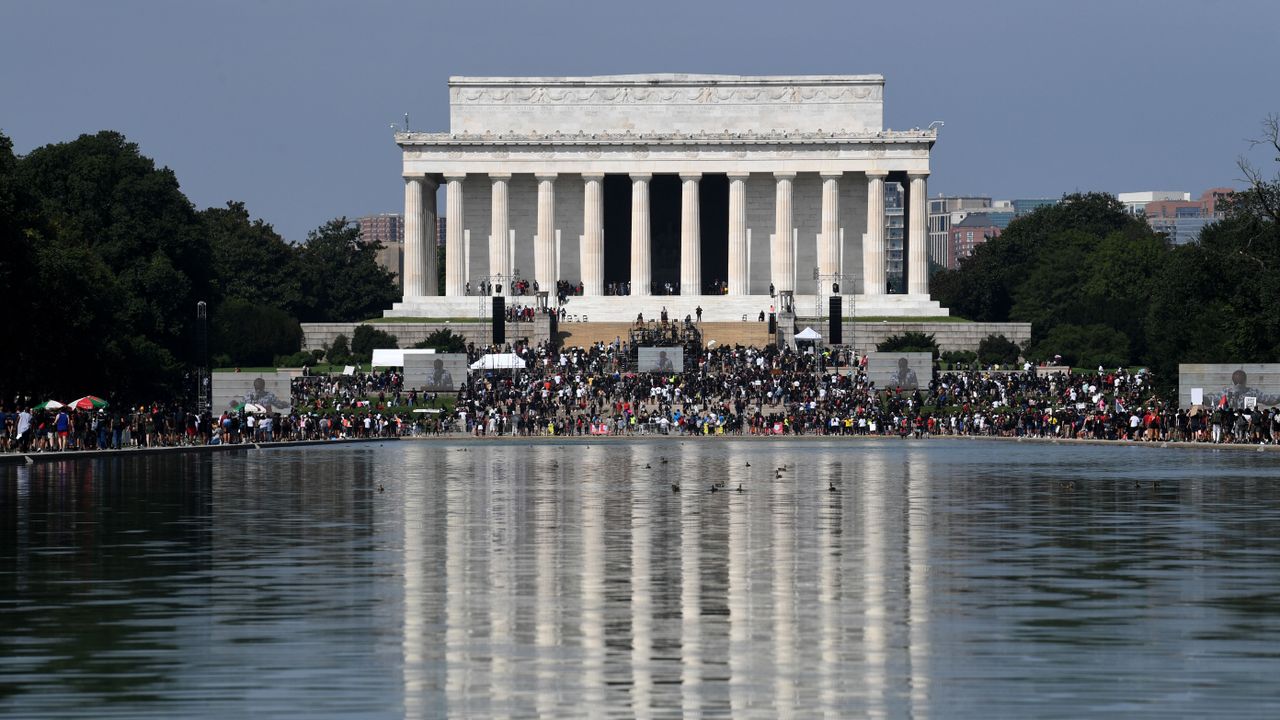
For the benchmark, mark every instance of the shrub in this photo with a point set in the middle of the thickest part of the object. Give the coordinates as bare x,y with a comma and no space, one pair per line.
910,341
443,340
1085,345
997,349
959,357
339,353
368,338
249,334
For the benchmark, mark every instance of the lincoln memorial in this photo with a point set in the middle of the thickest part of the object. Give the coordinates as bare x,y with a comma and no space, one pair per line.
715,191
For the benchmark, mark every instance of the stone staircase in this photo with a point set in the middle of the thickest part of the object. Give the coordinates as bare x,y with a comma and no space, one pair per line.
753,333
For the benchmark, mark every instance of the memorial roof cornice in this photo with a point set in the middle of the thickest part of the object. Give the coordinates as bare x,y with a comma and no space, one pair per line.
880,137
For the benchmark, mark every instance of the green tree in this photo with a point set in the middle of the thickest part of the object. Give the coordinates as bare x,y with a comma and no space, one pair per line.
21,229
341,278
443,340
998,349
1085,345
253,335
250,260
368,338
120,268
910,341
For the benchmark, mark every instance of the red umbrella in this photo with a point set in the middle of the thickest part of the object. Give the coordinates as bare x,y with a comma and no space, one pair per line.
89,402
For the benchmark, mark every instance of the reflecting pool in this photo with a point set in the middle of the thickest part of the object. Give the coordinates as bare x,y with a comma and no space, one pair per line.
877,578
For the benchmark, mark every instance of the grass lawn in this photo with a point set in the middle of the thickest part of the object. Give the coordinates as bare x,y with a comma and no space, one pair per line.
911,319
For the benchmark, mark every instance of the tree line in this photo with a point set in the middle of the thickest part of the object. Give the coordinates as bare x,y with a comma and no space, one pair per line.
103,260
1100,287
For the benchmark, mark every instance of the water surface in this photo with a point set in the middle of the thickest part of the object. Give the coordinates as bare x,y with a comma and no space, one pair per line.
939,579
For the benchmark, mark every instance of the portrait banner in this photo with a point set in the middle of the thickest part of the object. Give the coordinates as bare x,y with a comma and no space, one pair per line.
909,371
1229,386
661,359
272,390
436,372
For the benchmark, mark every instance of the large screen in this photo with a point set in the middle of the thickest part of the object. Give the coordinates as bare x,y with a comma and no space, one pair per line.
272,390
438,372
661,359
1236,386
908,370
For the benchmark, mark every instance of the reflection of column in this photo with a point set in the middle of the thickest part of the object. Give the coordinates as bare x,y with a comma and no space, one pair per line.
690,606
782,259
917,498
641,274
500,226
501,605
918,238
873,248
455,270
456,600
829,240
546,632
784,566
593,235
544,250
874,620
641,605
593,579
829,554
739,283
739,600
690,236
414,643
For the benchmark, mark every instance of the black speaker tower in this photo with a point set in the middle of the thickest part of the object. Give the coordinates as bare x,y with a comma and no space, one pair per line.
835,332
499,320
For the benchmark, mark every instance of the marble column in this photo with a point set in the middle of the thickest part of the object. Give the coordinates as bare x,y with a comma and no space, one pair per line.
592,257
545,271
641,262
829,239
918,237
739,280
413,271
782,259
500,224
455,267
690,236
873,281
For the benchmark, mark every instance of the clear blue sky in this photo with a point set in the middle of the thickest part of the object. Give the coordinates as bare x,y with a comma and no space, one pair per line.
286,105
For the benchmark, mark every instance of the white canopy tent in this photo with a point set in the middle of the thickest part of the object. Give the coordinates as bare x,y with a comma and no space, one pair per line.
394,357
808,334
498,361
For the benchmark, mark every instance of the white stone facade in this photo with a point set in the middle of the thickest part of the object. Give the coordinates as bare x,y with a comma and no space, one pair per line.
805,156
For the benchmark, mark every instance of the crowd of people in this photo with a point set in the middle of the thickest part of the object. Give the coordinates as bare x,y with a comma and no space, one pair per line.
597,390
773,391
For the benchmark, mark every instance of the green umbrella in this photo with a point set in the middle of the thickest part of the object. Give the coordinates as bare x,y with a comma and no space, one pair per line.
50,405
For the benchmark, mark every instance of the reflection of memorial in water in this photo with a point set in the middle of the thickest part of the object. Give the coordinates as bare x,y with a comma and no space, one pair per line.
553,589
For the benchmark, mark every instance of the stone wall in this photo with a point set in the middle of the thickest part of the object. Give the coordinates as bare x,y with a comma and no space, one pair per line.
319,335
863,336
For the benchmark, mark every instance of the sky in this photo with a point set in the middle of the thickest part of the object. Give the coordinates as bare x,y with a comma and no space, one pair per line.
286,105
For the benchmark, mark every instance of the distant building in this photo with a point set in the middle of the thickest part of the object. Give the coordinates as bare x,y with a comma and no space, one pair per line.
970,232
941,210
1181,221
1027,206
1136,202
387,229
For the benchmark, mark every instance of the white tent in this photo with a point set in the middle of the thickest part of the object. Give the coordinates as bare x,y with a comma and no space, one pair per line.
808,334
498,361
394,357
